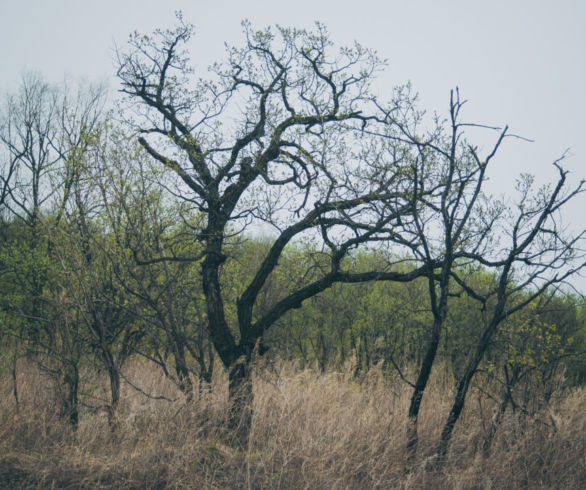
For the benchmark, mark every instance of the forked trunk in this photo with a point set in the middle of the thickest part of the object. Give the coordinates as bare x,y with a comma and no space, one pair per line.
234,358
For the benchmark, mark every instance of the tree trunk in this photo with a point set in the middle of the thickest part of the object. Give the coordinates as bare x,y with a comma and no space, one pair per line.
417,396
15,379
233,356
453,417
71,399
181,369
114,376
185,383
241,398
206,372
464,384
495,422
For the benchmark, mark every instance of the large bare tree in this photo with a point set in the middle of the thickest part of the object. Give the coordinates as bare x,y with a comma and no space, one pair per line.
281,133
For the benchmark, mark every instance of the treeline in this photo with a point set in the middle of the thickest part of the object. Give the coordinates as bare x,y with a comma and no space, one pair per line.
80,296
277,209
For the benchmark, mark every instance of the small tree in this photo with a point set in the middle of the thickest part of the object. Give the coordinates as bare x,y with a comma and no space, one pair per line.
533,251
445,227
459,227
155,261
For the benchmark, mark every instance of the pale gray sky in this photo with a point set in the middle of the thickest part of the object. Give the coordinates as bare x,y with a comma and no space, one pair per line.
518,62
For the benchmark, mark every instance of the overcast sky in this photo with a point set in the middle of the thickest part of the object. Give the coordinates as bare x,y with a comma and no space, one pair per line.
518,62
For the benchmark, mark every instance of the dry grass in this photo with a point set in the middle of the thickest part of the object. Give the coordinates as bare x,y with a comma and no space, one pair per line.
309,431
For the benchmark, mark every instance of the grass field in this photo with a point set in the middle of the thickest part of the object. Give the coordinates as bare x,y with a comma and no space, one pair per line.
309,431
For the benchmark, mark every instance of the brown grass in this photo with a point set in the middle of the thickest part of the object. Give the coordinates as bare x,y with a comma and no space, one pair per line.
309,431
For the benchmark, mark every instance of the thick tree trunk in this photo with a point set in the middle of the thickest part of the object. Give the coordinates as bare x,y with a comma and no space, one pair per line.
234,357
241,398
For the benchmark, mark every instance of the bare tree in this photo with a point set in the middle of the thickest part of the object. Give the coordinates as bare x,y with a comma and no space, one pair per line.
44,136
457,227
28,131
444,227
44,132
277,134
536,251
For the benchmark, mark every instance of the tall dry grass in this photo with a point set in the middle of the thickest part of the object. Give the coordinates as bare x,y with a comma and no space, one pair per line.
309,431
